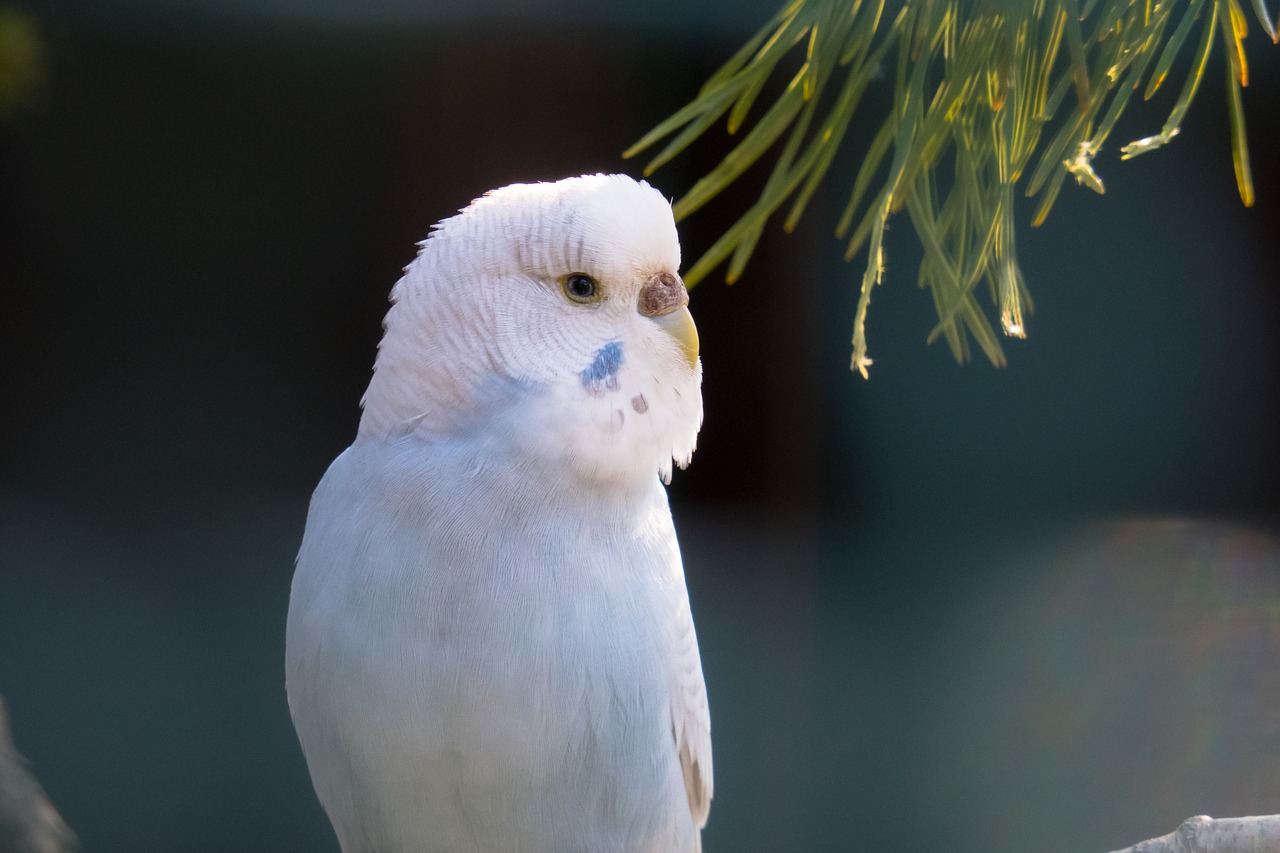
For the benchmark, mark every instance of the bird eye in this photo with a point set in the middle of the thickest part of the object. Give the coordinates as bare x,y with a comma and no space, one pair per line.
580,287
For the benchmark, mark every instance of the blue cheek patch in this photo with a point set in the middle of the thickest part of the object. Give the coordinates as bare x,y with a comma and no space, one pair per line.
602,374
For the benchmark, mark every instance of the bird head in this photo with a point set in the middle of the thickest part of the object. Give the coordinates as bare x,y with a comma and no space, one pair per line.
550,318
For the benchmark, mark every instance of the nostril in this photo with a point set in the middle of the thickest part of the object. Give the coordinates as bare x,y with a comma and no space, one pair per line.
662,294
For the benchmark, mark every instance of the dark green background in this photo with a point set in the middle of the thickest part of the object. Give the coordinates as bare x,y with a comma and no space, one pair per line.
951,608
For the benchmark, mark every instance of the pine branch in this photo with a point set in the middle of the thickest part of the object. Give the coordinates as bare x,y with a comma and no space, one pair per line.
996,90
1203,834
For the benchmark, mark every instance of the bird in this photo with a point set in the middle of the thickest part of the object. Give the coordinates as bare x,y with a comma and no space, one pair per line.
489,643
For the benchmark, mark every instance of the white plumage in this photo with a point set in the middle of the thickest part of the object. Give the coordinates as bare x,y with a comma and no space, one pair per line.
489,644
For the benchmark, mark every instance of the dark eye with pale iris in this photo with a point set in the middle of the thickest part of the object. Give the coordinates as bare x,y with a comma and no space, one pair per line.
580,287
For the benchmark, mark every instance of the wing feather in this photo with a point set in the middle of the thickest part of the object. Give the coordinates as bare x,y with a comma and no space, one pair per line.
691,725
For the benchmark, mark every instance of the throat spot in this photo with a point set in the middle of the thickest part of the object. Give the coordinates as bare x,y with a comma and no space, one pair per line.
602,374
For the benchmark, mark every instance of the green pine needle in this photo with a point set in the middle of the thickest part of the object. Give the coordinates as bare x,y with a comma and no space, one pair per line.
22,60
997,90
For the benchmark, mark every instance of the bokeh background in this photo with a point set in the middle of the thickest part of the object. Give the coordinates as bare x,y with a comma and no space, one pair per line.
950,608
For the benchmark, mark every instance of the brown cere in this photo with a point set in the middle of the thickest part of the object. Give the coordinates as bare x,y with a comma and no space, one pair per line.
662,294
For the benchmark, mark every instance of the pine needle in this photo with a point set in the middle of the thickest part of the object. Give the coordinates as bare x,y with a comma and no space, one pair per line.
998,89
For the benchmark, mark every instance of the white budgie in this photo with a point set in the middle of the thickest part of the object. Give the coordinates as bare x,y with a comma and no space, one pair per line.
490,646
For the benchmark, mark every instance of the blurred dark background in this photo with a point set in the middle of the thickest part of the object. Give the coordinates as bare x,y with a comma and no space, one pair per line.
950,608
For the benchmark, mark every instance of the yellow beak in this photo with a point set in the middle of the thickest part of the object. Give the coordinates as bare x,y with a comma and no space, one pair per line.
679,325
